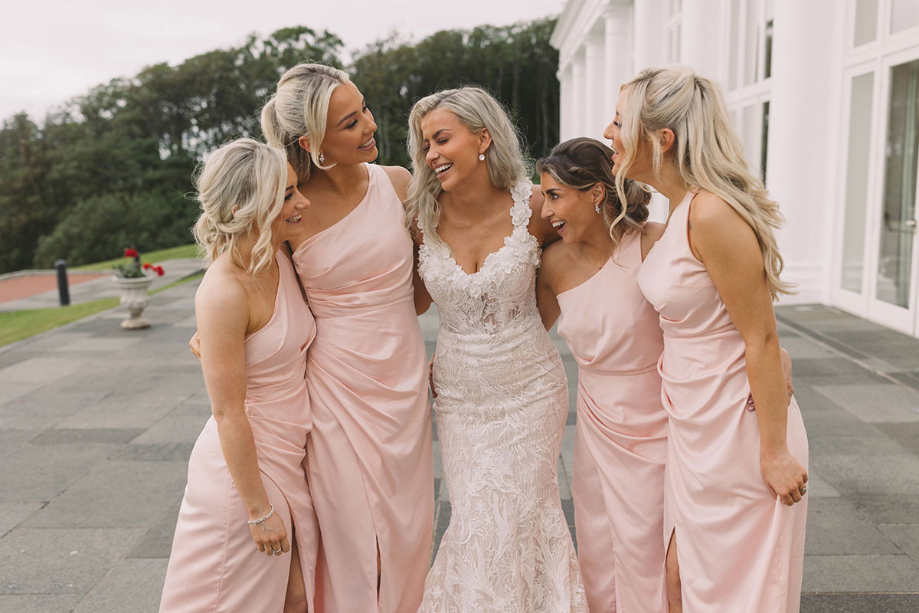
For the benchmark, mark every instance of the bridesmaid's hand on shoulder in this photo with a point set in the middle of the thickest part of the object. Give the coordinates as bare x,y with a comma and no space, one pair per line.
540,228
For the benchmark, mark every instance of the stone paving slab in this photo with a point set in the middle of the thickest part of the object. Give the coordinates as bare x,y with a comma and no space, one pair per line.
97,467
135,581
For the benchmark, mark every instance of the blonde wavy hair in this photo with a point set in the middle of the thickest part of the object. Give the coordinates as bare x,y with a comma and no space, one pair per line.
300,107
241,189
582,163
707,151
476,109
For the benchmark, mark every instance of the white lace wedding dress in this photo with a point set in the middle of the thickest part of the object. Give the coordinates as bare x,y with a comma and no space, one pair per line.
501,408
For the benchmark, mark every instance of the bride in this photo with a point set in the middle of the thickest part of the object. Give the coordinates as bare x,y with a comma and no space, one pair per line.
501,393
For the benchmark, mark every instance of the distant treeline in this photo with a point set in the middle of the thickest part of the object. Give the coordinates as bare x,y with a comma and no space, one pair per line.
113,168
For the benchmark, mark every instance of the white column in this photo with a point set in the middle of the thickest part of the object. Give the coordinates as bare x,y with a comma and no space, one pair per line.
800,159
595,85
701,44
619,57
648,33
578,95
565,103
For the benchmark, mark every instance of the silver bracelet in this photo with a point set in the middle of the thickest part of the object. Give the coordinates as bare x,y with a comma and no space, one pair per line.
258,521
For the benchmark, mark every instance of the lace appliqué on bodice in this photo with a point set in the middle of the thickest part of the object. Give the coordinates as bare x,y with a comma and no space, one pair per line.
501,407
498,295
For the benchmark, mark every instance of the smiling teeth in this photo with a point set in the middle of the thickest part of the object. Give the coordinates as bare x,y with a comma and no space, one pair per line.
558,224
294,219
367,144
443,168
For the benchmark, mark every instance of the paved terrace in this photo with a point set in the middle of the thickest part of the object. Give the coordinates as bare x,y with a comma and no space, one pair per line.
97,423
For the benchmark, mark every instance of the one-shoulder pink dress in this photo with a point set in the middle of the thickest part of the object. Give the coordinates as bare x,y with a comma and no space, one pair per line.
215,565
620,443
370,455
740,550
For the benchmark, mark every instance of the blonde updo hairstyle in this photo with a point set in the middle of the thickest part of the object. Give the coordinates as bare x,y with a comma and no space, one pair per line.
477,110
300,107
707,150
241,190
582,163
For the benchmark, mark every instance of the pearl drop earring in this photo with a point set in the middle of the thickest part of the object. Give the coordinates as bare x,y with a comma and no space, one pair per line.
481,157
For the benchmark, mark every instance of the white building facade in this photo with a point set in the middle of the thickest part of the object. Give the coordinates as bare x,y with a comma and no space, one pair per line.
825,95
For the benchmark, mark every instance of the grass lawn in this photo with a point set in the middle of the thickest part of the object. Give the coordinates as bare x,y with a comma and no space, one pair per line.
18,325
173,253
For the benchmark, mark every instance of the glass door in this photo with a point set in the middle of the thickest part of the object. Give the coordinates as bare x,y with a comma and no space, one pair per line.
896,271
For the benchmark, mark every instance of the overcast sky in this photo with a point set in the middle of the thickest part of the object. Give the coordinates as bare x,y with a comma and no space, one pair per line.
51,50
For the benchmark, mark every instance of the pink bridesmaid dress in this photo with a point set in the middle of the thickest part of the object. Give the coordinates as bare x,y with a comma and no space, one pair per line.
215,565
620,443
370,456
740,550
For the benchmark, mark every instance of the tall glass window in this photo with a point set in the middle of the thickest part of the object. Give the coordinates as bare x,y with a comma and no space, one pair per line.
866,22
853,241
904,14
898,223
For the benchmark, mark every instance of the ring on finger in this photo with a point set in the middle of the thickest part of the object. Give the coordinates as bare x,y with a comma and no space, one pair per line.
803,490
276,551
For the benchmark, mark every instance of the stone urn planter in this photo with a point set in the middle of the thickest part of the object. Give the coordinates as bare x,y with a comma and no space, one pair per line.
134,297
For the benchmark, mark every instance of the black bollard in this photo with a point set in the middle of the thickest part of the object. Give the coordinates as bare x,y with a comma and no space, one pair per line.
62,289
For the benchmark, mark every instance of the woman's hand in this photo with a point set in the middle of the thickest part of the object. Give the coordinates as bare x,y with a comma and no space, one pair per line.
783,475
195,345
270,535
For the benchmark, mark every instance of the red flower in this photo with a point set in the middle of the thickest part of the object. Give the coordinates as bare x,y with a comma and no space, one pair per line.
159,271
148,266
131,253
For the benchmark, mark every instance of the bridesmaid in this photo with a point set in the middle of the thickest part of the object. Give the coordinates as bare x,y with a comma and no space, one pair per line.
589,282
370,459
247,495
734,512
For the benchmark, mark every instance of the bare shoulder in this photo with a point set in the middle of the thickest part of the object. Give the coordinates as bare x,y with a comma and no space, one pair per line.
220,292
400,178
555,262
710,212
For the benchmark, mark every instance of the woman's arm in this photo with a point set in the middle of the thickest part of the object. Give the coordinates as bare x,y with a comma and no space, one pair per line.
222,315
546,300
728,248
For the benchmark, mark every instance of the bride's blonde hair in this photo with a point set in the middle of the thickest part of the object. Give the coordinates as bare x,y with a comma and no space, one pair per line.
707,151
476,109
241,189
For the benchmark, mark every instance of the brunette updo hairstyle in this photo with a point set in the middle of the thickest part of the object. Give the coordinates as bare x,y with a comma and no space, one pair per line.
582,163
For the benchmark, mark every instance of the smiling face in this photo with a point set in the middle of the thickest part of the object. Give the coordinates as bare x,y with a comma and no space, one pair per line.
571,211
289,222
451,149
349,129
641,167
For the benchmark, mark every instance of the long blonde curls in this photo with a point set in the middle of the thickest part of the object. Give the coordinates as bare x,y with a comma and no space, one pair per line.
582,163
476,109
707,151
300,107
241,189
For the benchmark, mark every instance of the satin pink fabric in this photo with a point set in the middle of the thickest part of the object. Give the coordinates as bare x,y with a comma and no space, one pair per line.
215,565
370,455
620,443
740,550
